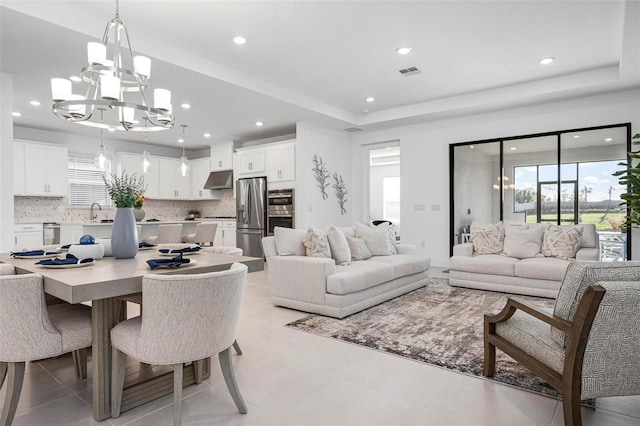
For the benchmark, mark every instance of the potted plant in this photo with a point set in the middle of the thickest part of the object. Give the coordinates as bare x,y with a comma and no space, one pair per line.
125,192
630,177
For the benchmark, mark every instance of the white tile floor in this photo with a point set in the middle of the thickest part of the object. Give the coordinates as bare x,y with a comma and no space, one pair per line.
289,377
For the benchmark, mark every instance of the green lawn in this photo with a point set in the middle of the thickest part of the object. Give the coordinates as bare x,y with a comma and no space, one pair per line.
601,220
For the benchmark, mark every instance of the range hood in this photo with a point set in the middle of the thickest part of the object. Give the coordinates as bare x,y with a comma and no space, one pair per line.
220,180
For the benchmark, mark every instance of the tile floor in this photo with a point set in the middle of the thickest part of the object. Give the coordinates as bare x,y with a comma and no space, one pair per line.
289,377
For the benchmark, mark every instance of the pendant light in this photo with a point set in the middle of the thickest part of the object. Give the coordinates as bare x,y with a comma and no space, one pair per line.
145,160
102,160
184,163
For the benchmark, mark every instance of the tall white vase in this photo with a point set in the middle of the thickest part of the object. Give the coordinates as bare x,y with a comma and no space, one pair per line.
124,235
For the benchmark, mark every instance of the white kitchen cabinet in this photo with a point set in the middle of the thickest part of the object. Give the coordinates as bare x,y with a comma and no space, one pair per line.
200,170
173,186
229,233
222,156
251,162
132,164
27,236
217,241
281,162
45,170
18,169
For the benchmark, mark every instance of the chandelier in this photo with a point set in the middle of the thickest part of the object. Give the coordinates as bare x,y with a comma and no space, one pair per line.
184,163
116,85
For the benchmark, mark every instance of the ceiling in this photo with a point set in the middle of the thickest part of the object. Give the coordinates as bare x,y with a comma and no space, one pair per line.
317,61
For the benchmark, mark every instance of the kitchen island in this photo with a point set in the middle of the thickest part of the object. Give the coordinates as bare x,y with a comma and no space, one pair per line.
70,233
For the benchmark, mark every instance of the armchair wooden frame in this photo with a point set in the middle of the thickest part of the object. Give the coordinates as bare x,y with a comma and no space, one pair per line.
569,383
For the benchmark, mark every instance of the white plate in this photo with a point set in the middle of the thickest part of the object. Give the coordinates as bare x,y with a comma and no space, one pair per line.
72,265
40,256
176,254
192,262
62,248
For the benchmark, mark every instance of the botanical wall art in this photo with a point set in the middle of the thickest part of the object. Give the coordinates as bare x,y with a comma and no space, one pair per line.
322,175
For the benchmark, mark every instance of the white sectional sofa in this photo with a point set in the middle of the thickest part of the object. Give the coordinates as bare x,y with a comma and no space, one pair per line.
319,285
538,275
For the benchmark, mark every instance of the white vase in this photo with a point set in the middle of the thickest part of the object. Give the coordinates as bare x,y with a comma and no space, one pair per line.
124,235
138,213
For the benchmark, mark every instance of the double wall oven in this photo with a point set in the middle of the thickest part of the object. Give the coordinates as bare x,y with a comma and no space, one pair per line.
280,210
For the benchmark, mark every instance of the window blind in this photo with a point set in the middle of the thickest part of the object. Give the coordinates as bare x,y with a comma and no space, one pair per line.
86,185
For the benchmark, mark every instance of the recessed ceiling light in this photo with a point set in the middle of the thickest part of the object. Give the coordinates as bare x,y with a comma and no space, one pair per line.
608,139
366,111
35,103
370,99
181,140
16,114
547,61
185,106
576,136
259,123
404,50
207,135
111,129
513,148
239,40
75,78
471,146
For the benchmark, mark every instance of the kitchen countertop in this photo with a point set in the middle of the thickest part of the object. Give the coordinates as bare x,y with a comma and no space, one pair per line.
144,222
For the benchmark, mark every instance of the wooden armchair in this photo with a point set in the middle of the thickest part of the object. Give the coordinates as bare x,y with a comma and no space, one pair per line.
587,347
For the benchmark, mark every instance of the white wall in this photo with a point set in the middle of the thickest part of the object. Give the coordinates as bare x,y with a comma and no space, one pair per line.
376,180
335,149
6,162
424,147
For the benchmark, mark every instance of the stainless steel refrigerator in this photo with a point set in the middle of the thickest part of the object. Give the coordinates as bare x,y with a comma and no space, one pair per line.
251,209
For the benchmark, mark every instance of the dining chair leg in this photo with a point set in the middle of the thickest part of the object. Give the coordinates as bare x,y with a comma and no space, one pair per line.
198,369
177,394
15,377
236,346
230,379
118,363
3,373
80,363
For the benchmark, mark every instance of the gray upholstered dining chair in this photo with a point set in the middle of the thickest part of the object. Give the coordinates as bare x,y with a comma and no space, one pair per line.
30,330
205,233
168,233
588,346
185,318
7,269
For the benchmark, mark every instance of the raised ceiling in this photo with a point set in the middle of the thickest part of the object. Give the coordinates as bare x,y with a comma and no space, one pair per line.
318,60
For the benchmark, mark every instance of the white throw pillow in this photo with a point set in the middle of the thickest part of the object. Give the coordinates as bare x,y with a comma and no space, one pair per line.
391,235
348,231
376,239
487,239
562,241
523,242
290,242
339,246
358,248
316,243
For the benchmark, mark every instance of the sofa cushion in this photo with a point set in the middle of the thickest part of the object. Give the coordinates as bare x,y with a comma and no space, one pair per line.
289,242
358,249
348,231
562,241
391,235
542,268
487,239
316,243
376,238
358,276
339,246
523,241
404,264
493,264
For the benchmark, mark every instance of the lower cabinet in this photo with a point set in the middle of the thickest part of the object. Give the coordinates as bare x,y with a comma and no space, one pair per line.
229,234
27,236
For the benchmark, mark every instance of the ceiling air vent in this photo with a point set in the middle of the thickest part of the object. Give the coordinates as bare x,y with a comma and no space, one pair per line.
353,129
409,71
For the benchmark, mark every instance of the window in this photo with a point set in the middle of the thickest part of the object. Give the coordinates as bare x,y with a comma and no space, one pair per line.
86,185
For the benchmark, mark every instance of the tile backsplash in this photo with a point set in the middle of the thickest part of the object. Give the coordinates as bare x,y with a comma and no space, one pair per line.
47,209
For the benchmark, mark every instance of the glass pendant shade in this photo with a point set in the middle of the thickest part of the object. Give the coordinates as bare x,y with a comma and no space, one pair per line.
60,89
145,162
126,115
184,166
102,159
96,53
110,87
77,110
142,65
162,99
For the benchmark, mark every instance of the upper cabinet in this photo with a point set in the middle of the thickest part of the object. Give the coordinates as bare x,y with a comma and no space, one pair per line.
222,156
251,162
40,170
132,163
173,186
281,162
200,170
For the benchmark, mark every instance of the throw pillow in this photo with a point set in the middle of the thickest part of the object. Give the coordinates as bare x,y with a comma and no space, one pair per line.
391,235
561,241
522,242
339,246
316,243
487,239
376,239
290,242
358,247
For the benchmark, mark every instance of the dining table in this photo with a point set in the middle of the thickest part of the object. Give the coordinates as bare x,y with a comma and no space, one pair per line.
106,283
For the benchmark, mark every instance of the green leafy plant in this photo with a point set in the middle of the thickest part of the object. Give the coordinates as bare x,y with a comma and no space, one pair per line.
630,177
125,191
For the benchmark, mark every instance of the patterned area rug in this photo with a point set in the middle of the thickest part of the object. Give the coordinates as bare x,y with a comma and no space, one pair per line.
436,324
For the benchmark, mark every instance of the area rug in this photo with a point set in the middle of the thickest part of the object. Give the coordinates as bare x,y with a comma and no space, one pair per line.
436,324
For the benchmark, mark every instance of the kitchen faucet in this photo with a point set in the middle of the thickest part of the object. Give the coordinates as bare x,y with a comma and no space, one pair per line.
91,217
